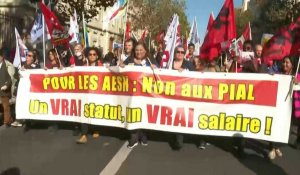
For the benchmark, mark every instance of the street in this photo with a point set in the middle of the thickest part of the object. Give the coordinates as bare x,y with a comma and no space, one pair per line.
39,152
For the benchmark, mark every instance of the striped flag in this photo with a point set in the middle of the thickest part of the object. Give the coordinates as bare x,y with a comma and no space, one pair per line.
21,50
194,37
121,7
74,28
85,33
172,40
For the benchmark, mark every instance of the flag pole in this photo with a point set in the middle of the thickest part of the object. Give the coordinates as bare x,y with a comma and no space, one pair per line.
71,51
44,47
221,61
149,41
126,16
297,67
226,63
250,30
292,84
17,42
83,24
60,65
236,50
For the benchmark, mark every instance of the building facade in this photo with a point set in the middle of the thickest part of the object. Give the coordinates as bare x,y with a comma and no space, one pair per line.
104,33
14,13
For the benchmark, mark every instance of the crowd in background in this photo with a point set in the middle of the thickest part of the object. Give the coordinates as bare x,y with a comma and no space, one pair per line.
137,54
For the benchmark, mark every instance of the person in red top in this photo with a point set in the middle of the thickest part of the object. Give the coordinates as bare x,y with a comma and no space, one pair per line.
92,60
93,57
53,63
78,59
53,59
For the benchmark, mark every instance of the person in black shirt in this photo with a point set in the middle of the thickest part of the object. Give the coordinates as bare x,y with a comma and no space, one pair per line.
140,58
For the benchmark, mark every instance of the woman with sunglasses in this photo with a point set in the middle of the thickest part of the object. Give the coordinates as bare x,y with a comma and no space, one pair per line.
140,58
180,64
30,62
93,57
92,60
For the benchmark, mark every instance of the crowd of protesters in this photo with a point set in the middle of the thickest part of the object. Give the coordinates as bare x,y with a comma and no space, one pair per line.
137,54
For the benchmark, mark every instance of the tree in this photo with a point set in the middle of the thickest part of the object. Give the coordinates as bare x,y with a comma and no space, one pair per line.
242,18
156,15
267,16
65,8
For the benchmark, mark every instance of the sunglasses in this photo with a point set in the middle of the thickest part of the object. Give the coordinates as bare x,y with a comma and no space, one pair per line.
182,52
248,48
92,54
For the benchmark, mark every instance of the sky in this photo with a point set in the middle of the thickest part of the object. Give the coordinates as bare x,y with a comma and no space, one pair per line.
202,9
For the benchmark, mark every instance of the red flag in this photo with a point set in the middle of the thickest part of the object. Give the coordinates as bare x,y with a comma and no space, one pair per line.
160,36
282,44
210,21
223,29
57,33
178,40
210,52
127,34
296,45
145,34
247,32
246,35
295,51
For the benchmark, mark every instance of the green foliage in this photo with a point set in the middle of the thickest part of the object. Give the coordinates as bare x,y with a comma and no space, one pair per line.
90,8
156,14
242,19
268,16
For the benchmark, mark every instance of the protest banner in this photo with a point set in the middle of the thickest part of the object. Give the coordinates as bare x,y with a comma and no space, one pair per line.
216,104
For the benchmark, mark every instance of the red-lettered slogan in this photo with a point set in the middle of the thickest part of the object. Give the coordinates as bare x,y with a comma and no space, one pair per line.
226,91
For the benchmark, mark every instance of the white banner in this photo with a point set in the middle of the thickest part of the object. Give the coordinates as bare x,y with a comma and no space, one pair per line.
217,104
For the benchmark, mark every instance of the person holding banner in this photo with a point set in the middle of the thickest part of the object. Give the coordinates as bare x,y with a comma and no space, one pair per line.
113,58
5,90
93,57
200,64
180,64
30,62
128,49
92,60
289,66
140,58
258,52
54,61
78,58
